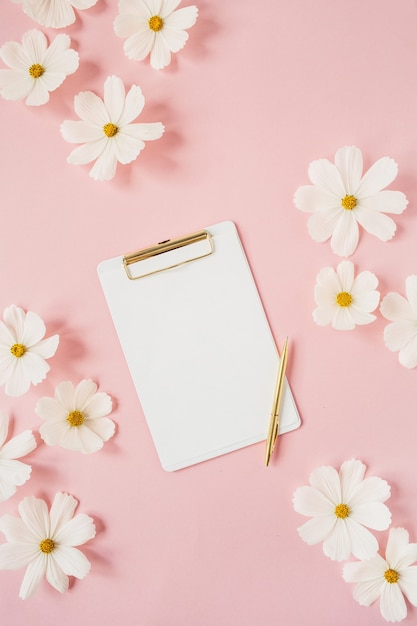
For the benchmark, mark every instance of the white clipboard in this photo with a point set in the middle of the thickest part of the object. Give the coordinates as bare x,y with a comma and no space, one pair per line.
198,345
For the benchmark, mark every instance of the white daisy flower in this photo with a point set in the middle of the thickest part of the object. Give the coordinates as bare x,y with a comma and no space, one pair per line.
389,579
45,541
13,473
343,300
401,335
153,27
54,13
75,418
23,350
105,129
340,198
34,69
341,504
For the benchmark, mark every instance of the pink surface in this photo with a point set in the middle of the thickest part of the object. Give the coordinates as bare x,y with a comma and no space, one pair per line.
259,91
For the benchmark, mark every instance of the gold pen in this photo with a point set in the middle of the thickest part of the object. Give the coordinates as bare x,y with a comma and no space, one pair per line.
274,420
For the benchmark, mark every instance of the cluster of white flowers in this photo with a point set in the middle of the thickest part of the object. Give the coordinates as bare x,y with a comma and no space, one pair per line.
340,199
34,70
76,419
343,506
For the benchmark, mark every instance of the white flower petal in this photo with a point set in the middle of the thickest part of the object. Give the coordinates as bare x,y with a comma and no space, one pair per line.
411,292
18,446
366,302
4,427
393,607
399,335
363,543
105,166
345,235
327,177
80,132
50,409
371,489
133,18
90,108
15,56
16,555
46,348
145,132
72,561
34,514
61,511
343,319
83,393
15,320
370,578
97,406
178,20
138,46
312,502
323,316
15,85
102,426
13,474
126,147
64,394
400,553
160,54
114,98
38,95
408,354
54,574
351,472
309,198
385,201
89,441
375,515
88,152
396,308
33,576
55,432
173,39
322,224
337,546
76,531
408,583
83,4
317,529
164,7
133,106
16,531
326,480
49,13
348,161
35,45
375,223
345,272
379,175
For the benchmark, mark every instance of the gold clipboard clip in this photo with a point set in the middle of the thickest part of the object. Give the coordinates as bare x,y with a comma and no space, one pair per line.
167,246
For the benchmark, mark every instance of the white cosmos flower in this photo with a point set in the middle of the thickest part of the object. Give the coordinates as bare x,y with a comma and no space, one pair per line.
106,130
23,350
401,335
54,13
13,473
343,300
340,199
45,541
340,505
75,418
34,69
389,579
153,27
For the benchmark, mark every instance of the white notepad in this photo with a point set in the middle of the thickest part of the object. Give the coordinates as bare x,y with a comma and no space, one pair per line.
198,346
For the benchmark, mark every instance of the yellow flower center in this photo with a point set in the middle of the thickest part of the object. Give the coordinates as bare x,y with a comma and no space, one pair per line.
75,419
36,70
46,546
341,511
110,129
391,576
349,202
344,298
18,350
156,23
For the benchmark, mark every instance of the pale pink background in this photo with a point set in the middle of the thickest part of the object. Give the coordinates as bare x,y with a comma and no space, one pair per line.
260,90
